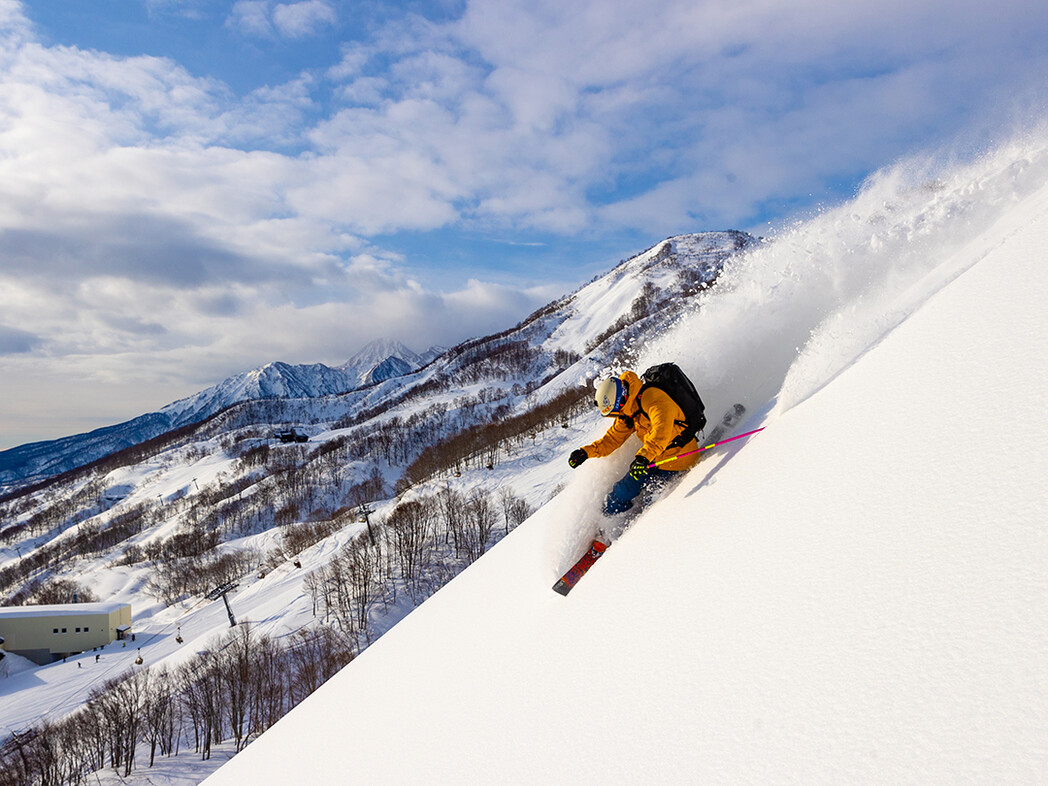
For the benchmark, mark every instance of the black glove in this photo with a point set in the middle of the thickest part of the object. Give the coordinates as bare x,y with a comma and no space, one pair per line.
577,457
639,468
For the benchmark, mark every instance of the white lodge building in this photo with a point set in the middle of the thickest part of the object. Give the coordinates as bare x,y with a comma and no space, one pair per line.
48,633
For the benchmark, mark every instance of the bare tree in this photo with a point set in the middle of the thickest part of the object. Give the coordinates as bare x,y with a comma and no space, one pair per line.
362,564
236,662
159,719
60,590
480,520
315,656
270,684
410,530
450,506
514,509
200,685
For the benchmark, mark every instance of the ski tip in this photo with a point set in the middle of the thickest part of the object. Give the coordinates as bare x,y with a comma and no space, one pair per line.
562,587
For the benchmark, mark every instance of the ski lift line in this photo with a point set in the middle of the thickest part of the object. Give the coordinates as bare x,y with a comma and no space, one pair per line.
115,665
149,637
706,447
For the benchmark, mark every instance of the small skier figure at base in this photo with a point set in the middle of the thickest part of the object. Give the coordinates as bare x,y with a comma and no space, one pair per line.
654,417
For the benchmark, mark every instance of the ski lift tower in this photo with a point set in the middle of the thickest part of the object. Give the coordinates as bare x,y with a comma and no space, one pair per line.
220,592
365,514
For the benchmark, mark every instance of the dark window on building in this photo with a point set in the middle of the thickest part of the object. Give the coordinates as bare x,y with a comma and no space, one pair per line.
78,630
86,630
55,630
64,630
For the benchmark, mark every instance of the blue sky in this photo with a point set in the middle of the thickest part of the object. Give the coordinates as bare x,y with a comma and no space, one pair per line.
191,188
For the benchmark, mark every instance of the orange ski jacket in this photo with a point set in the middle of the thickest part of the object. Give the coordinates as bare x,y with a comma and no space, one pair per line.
655,418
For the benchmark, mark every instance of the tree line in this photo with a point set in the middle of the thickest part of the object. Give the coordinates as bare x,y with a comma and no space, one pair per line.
417,548
482,447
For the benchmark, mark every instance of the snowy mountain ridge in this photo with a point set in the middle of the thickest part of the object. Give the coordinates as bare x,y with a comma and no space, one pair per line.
376,362
671,269
363,364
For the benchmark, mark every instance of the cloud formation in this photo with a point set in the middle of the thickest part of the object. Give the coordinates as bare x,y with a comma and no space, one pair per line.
160,230
14,341
266,19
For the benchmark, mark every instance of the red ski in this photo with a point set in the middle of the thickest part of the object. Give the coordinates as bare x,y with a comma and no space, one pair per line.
578,570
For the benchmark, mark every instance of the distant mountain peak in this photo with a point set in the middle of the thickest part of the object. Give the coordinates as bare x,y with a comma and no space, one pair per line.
385,358
375,352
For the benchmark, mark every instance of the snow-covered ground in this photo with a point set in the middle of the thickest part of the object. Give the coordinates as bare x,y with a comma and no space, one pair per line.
276,605
856,595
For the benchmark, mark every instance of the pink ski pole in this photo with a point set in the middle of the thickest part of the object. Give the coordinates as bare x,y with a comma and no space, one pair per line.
706,447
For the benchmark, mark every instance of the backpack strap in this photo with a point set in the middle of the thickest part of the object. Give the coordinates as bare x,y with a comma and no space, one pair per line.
686,433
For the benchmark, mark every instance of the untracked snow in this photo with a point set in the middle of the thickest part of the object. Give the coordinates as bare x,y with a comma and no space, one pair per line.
856,595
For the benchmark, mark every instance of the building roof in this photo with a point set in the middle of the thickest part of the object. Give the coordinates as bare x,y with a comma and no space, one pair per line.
60,610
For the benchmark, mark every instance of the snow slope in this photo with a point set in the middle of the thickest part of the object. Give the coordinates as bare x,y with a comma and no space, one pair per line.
276,601
856,595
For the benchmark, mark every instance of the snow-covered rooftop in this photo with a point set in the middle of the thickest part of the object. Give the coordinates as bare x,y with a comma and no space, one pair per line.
60,610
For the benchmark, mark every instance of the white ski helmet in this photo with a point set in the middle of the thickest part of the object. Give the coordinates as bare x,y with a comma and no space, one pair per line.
611,396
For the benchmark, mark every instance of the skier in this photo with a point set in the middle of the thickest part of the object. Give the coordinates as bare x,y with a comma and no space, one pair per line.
657,419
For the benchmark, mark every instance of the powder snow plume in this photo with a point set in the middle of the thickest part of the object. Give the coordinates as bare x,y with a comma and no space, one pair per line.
787,317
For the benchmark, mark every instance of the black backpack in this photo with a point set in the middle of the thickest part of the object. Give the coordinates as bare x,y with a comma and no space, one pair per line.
668,378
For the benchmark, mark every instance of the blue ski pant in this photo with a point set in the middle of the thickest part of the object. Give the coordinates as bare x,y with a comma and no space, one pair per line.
622,494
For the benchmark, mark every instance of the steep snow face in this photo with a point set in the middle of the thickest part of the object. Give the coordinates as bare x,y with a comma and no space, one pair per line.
856,595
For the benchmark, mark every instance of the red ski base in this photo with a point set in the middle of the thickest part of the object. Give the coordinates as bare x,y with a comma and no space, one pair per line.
578,570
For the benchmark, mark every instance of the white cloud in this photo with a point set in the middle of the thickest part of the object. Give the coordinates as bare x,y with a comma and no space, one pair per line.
15,29
296,21
189,9
354,58
302,20
251,17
